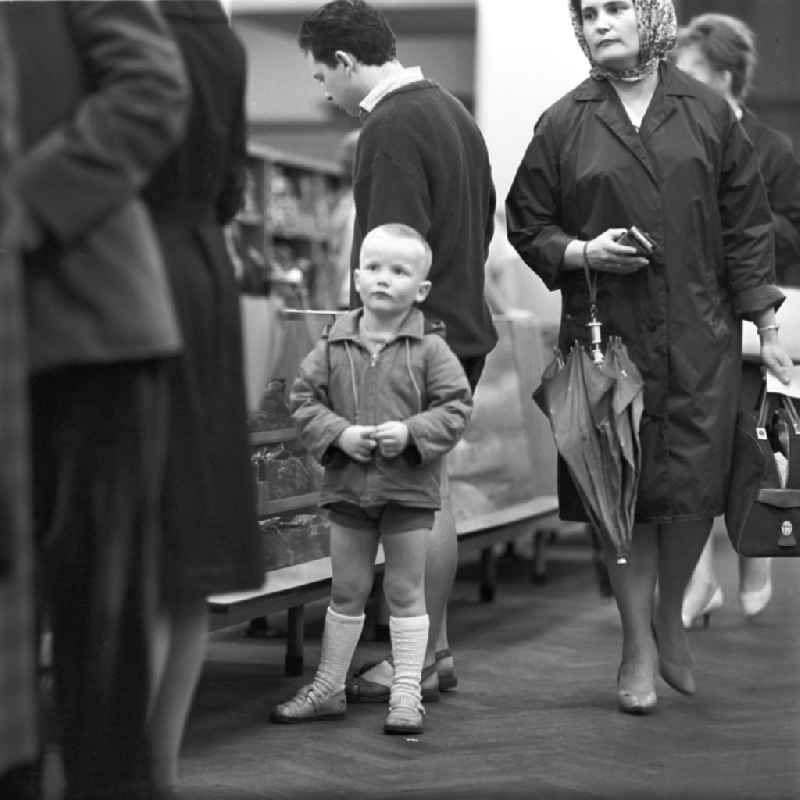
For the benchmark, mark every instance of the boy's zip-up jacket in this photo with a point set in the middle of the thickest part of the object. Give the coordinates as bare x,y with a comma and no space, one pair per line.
414,378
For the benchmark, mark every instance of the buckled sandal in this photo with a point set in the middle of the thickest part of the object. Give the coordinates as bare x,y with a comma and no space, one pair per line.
405,717
362,690
448,682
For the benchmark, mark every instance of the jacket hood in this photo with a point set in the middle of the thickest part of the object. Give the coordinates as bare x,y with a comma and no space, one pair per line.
415,326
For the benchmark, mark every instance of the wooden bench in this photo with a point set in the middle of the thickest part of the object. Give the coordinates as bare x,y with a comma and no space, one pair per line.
291,588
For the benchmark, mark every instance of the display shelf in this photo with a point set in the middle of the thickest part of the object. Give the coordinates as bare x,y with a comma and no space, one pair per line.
294,503
276,436
283,233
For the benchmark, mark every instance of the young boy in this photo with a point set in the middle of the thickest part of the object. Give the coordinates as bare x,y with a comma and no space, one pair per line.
379,401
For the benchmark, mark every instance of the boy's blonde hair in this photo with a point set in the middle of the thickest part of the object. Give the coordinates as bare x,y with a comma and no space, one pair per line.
401,231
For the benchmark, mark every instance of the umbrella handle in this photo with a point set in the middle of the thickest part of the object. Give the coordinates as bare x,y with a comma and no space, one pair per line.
596,337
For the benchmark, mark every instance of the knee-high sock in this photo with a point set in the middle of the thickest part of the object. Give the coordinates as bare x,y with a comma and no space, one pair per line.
339,641
409,640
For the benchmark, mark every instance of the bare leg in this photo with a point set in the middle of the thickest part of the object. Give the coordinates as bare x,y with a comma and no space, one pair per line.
441,563
181,637
679,547
633,585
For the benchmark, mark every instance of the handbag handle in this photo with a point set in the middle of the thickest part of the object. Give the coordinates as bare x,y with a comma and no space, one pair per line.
793,481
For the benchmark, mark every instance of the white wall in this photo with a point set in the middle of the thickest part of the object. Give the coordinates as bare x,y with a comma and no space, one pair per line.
280,87
527,57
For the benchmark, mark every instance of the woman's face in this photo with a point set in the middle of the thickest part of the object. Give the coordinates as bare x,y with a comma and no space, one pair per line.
690,59
611,31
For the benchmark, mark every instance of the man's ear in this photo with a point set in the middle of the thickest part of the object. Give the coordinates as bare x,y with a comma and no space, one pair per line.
347,60
356,278
423,290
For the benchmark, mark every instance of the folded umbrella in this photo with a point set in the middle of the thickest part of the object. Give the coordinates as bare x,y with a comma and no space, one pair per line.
594,411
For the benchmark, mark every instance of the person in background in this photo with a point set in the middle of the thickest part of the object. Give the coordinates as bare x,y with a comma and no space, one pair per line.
720,51
19,734
379,401
210,535
421,161
641,143
343,218
102,99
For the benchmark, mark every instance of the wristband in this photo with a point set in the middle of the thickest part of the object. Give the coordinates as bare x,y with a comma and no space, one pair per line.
774,327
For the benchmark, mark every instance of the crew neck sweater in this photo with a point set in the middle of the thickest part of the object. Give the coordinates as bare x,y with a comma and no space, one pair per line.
422,161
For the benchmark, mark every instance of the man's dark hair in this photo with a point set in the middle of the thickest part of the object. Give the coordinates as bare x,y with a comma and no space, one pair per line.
350,25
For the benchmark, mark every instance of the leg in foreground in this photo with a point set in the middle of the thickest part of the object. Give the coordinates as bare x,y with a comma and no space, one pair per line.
441,562
633,585
353,565
404,584
679,548
180,636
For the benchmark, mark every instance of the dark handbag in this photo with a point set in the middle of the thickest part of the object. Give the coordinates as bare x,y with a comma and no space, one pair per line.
762,517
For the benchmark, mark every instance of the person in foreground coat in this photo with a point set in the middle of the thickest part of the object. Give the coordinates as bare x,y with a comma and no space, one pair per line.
210,537
720,51
19,745
640,143
102,96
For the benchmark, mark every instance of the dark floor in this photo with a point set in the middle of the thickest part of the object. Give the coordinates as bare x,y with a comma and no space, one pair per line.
535,714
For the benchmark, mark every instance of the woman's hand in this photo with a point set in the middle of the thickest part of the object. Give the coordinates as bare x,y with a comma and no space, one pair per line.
392,438
358,441
776,360
605,254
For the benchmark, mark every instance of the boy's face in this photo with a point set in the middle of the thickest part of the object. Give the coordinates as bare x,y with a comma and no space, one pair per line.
340,83
390,275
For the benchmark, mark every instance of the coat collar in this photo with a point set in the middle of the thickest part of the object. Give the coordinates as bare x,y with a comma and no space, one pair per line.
414,326
672,83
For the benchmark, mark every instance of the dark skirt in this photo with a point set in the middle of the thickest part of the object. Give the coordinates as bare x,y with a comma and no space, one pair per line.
211,535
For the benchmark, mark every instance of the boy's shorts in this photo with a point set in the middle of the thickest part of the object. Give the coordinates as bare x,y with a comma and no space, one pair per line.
386,519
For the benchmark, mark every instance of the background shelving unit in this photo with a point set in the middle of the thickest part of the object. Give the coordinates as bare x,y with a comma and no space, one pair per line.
282,234
281,241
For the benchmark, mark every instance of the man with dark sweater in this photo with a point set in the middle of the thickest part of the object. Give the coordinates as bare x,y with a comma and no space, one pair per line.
422,161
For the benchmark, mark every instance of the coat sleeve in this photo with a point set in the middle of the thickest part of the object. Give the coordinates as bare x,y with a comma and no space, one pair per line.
782,177
231,196
747,230
437,429
131,117
533,206
309,404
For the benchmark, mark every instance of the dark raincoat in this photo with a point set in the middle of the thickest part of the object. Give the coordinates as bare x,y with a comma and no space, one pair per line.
690,179
781,172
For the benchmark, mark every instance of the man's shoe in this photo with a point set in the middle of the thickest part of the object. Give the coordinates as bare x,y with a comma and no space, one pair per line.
404,717
308,705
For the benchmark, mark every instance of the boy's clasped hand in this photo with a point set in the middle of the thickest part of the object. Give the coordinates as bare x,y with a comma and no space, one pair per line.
359,441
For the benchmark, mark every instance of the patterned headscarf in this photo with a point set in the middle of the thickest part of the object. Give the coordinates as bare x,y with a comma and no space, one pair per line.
657,33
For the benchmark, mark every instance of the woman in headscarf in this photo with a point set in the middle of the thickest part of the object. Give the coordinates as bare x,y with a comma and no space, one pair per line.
720,51
640,143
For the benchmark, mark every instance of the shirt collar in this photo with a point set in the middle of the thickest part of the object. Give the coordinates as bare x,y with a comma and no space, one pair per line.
390,84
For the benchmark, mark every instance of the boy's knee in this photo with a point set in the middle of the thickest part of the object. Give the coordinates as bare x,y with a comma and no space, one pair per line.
350,596
404,593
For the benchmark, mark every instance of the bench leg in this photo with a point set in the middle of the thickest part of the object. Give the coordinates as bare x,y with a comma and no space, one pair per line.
257,628
541,539
488,575
293,664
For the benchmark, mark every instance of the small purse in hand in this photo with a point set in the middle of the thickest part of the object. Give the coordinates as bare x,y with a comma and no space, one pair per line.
763,512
